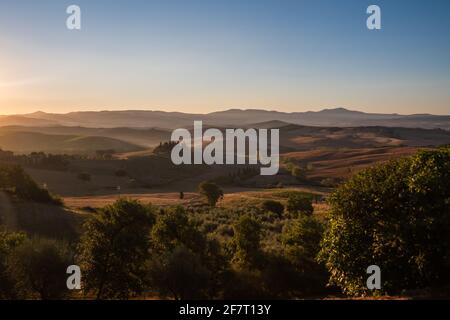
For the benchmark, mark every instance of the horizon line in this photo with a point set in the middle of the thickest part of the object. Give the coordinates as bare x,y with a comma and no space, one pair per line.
221,110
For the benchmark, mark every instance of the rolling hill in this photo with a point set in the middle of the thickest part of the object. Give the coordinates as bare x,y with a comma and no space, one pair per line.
138,141
140,136
300,138
26,142
339,164
295,137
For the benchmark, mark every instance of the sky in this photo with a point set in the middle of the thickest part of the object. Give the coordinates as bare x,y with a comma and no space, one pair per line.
207,55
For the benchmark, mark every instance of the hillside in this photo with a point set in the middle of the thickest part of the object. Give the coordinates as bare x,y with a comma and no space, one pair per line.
37,219
26,142
294,137
300,138
341,164
26,206
60,139
140,136
338,117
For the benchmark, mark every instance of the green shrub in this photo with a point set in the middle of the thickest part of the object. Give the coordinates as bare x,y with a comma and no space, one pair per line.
173,228
184,263
246,243
273,206
300,204
301,238
8,243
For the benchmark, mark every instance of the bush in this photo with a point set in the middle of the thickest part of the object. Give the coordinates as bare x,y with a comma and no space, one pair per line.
301,238
173,228
184,263
273,206
244,284
179,273
245,244
397,216
300,204
284,279
8,243
301,243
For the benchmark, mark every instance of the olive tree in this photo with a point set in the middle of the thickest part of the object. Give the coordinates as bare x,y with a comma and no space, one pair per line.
39,269
114,248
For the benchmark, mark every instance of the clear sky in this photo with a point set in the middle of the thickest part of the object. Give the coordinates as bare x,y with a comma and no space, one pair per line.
209,55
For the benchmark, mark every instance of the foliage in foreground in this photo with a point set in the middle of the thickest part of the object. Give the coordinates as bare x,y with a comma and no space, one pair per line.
397,216
32,268
39,269
113,250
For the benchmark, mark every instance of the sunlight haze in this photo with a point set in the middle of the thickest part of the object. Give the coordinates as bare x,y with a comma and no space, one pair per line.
205,56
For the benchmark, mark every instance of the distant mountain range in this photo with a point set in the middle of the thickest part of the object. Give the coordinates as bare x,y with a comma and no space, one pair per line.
339,117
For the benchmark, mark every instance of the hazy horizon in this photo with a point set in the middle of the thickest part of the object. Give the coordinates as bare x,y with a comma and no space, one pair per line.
206,56
218,110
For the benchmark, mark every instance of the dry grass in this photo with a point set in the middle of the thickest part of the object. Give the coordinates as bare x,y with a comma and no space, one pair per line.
158,199
342,163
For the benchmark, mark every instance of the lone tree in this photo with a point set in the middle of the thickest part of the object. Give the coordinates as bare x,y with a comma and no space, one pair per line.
396,216
114,248
211,192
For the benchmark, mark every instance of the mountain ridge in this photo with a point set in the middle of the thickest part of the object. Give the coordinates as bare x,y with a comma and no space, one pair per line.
339,117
